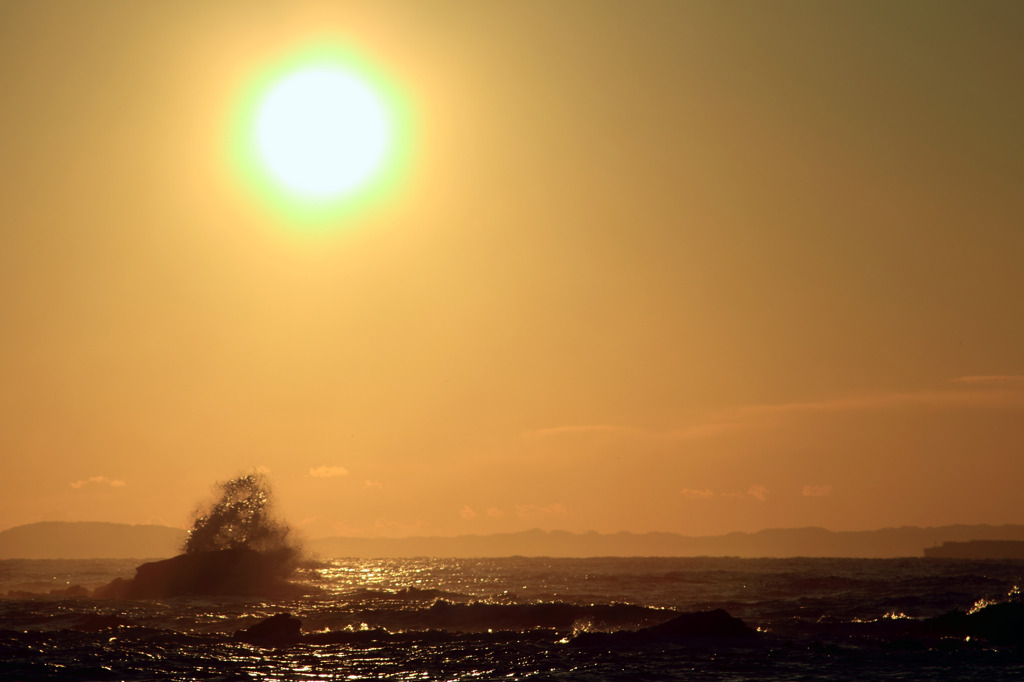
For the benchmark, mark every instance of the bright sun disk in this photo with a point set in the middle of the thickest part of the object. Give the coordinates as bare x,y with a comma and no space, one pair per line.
321,132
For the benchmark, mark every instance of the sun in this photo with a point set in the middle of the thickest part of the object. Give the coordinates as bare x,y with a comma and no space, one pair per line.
321,132
318,133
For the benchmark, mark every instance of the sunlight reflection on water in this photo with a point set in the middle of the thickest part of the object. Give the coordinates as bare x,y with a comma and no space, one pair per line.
530,618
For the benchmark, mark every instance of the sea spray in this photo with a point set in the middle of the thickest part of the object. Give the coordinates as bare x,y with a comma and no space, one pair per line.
243,518
235,546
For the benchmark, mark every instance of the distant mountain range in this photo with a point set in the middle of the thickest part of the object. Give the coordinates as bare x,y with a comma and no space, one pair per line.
978,549
86,540
89,540
808,542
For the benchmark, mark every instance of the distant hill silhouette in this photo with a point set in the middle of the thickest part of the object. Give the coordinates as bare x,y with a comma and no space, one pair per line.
809,542
978,549
89,540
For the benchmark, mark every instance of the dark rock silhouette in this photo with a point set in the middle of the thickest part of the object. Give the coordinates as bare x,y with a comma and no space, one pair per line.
1001,623
228,571
236,546
717,623
71,591
282,628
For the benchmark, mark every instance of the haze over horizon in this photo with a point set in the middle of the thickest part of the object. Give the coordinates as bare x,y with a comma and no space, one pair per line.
690,267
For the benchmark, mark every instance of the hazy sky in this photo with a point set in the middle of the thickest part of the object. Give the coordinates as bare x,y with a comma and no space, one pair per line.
682,266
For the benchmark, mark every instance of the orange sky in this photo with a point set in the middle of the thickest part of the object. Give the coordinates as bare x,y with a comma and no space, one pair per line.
683,266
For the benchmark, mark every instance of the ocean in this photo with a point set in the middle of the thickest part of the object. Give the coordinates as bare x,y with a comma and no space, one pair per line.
524,619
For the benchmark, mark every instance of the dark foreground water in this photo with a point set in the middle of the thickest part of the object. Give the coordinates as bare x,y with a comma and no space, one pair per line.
519,619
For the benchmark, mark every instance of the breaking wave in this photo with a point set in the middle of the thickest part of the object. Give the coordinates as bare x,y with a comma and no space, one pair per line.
242,517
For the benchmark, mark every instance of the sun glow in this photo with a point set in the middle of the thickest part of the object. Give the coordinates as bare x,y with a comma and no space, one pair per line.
319,134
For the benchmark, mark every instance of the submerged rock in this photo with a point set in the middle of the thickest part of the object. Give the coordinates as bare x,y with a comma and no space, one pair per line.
1001,623
72,591
94,622
228,571
280,629
717,623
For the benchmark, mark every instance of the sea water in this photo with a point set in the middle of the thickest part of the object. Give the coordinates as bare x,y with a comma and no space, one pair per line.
518,619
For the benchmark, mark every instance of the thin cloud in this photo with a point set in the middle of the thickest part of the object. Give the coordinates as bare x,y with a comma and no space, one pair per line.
758,492
935,399
372,484
534,511
99,480
610,429
328,472
397,528
495,513
696,494
816,490
468,512
981,391
705,430
969,392
993,379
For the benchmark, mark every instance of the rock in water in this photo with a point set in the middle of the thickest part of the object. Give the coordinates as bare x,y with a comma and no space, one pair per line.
94,622
280,629
1001,623
715,623
228,571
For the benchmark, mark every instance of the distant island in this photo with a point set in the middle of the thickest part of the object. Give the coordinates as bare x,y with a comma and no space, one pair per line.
88,540
978,549
907,541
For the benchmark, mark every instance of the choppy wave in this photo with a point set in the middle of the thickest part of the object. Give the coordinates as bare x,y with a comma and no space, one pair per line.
535,618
